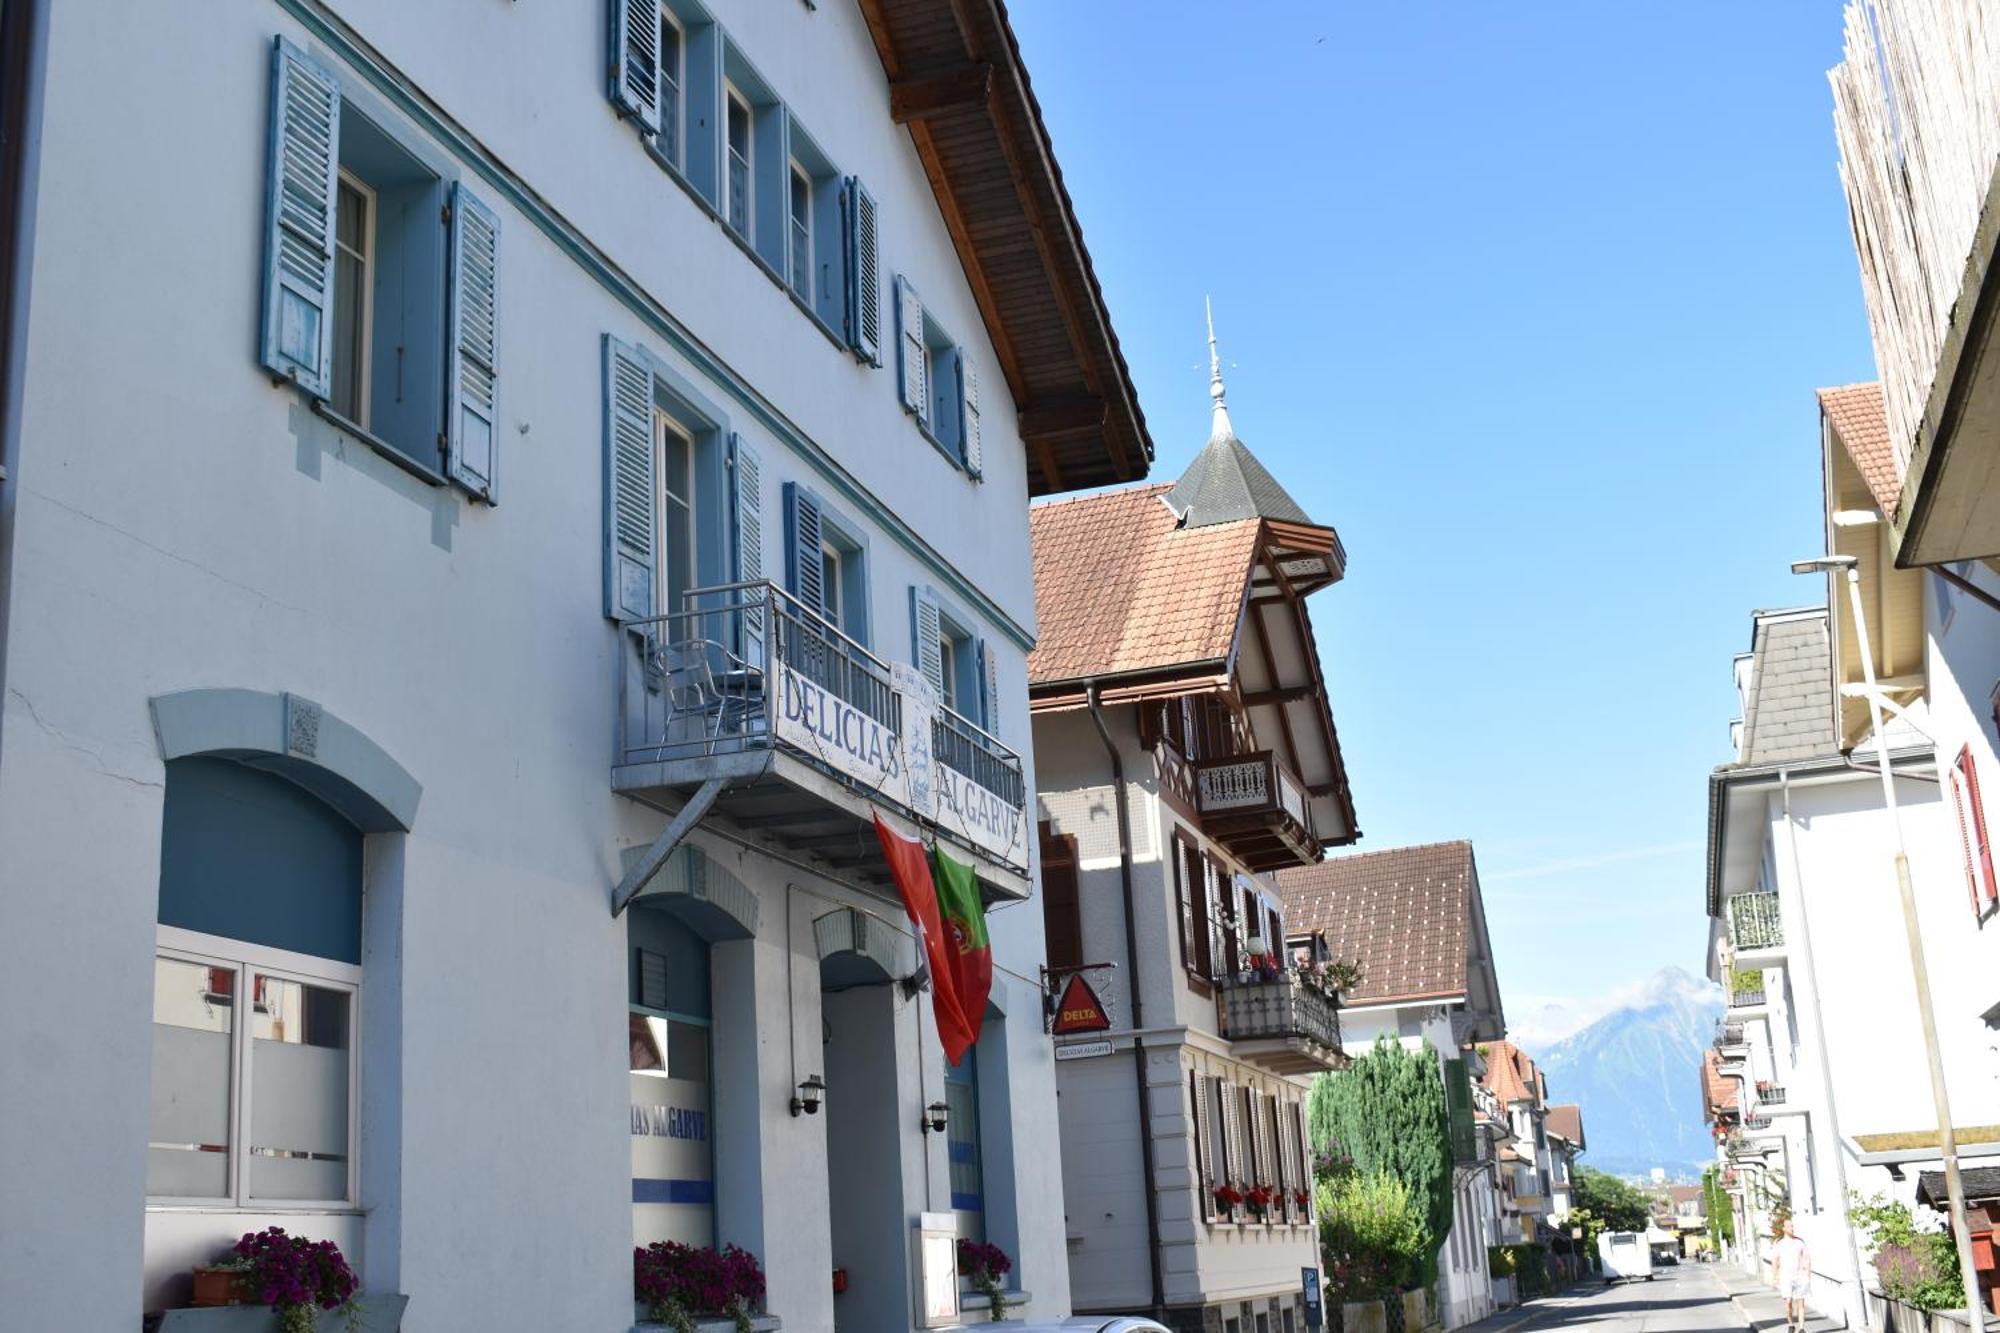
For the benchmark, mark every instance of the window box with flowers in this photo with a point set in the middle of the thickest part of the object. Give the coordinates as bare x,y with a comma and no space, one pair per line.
1228,1198
275,1282
696,1289
1260,1200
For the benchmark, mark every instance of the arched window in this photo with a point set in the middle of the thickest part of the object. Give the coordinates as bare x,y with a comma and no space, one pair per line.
256,987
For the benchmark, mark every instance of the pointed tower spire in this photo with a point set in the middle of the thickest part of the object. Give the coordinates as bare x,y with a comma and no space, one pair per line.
1221,428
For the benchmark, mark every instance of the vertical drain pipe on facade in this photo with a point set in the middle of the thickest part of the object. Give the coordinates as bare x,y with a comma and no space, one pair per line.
1138,1004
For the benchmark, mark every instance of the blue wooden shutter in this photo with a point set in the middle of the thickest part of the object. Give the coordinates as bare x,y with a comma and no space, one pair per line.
970,448
925,627
746,480
635,61
864,271
472,379
912,372
297,341
989,688
631,487
805,576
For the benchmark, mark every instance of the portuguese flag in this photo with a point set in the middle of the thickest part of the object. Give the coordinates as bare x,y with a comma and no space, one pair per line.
942,898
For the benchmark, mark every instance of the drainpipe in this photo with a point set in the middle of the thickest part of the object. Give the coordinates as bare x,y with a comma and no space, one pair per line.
1857,1311
1138,1003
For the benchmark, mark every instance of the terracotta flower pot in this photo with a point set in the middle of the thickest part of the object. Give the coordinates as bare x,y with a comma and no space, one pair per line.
220,1286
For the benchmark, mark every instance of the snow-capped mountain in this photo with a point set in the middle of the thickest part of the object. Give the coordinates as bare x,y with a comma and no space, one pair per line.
1637,1074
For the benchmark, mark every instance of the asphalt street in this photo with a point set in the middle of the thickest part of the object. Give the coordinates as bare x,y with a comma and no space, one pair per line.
1683,1298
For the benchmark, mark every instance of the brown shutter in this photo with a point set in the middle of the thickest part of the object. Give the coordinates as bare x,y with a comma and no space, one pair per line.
1197,888
1062,906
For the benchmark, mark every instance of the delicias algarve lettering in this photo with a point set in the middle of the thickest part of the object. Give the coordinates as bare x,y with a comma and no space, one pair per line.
669,1122
979,807
831,719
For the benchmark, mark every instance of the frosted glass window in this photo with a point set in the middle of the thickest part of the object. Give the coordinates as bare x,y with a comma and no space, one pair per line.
299,1071
187,1149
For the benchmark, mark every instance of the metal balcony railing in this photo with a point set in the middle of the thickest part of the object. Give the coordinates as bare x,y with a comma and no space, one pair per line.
1771,1094
966,749
1754,922
1746,997
699,681
1283,1006
1728,1034
1756,1121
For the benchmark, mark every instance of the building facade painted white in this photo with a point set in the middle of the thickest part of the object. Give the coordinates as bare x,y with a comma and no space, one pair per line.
212,581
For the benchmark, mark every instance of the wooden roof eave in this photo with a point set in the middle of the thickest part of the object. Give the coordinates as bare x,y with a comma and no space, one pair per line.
961,88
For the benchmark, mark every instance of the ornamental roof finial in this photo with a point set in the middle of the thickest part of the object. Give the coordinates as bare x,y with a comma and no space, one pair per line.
1221,429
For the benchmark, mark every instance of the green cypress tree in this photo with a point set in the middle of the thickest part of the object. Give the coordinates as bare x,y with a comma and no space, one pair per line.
1387,1112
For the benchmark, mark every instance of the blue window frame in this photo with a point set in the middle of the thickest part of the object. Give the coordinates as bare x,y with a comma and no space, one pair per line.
670,1076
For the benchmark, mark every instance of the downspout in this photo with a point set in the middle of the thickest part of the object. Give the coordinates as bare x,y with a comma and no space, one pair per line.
1857,1311
1138,1003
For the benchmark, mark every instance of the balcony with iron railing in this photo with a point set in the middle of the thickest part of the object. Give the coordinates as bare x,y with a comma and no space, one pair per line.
1255,806
1284,1024
803,732
1729,1036
1770,1094
1756,926
1745,994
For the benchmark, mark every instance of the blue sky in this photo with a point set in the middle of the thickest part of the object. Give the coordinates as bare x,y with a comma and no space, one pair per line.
1530,302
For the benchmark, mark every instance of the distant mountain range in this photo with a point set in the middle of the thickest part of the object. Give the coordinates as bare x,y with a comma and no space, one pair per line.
1637,1074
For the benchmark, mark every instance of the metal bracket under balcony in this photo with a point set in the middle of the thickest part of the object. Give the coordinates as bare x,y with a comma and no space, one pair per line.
1257,808
1282,1025
810,733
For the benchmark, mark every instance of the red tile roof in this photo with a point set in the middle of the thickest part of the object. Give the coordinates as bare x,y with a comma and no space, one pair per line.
1510,1075
1718,1094
1403,914
1120,587
1855,411
1566,1122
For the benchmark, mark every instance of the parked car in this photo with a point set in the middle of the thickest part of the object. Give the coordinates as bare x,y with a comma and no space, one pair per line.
1093,1323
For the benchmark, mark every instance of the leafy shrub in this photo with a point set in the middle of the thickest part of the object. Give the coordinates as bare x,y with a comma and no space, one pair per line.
1500,1260
1372,1235
1915,1259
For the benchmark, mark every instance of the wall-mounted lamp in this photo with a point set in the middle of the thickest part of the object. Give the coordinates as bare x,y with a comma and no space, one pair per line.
810,1093
932,1120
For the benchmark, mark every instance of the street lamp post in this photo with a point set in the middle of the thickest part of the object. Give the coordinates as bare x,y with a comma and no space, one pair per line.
1975,1313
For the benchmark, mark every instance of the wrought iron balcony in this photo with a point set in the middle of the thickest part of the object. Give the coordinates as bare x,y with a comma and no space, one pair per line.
1770,1094
809,731
1256,807
1756,1122
1754,922
1746,997
1282,1024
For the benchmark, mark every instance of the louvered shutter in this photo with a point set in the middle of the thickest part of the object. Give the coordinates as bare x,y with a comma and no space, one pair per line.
972,450
635,61
652,980
804,574
746,503
912,370
925,627
472,379
630,485
1204,1149
1232,1135
989,688
297,340
1260,1167
864,272
1458,1106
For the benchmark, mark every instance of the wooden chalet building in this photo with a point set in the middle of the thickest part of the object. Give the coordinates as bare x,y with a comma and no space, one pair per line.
1185,752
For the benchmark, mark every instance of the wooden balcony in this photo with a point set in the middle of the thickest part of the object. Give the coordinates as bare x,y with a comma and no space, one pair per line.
1281,1024
1256,807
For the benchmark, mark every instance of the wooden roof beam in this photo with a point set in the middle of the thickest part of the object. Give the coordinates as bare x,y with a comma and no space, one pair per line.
918,99
1074,415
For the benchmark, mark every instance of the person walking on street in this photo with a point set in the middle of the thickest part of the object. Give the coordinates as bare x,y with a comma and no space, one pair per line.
1791,1269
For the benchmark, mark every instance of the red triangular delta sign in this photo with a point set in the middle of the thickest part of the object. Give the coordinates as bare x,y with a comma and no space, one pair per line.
1080,1010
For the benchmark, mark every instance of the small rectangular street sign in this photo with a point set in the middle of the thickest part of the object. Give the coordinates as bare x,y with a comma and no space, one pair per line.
1082,1050
1309,1278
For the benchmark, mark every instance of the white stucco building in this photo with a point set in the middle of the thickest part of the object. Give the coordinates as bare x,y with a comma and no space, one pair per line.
382,384
1414,919
1184,751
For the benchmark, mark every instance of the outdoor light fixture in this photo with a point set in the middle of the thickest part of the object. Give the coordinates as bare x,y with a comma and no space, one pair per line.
933,1118
1824,564
810,1093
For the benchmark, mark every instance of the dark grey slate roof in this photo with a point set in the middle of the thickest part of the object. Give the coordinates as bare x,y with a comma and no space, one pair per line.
1226,484
1981,1182
1790,711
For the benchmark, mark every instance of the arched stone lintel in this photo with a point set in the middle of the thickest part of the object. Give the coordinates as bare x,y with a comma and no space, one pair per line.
708,899
295,738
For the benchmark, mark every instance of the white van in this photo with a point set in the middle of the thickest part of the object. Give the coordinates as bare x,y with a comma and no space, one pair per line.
1625,1255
